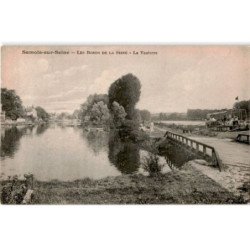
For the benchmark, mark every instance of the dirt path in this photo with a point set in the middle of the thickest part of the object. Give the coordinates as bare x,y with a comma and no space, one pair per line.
235,156
232,153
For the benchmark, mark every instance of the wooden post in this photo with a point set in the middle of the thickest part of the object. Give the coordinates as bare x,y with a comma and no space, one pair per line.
218,160
29,185
28,196
29,179
204,150
197,147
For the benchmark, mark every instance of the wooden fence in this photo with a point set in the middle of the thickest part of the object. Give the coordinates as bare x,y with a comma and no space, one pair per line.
201,149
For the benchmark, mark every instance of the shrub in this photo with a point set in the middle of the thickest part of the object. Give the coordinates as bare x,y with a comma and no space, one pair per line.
152,165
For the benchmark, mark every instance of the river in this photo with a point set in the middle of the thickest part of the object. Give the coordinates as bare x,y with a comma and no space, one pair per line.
56,152
187,123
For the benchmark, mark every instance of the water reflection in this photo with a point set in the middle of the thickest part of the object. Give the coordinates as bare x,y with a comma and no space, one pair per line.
10,140
55,152
97,140
125,155
69,153
42,128
10,137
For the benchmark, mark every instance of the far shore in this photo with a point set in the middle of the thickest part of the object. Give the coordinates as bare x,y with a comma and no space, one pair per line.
194,130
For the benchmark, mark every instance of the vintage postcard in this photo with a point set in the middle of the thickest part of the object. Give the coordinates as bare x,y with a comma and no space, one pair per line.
125,124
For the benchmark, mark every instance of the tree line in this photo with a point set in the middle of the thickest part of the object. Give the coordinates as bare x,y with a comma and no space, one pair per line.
171,116
117,108
201,114
13,107
245,104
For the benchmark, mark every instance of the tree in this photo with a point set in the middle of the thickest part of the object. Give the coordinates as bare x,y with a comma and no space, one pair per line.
126,91
200,114
137,117
42,114
118,114
99,113
161,116
245,104
76,114
63,115
11,104
87,106
145,115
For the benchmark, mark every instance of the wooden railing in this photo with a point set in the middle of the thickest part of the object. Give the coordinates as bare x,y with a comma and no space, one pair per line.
207,151
243,138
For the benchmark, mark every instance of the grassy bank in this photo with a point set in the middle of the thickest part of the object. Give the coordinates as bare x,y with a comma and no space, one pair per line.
187,186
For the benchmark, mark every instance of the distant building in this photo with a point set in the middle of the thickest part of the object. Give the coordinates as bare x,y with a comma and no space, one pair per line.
31,113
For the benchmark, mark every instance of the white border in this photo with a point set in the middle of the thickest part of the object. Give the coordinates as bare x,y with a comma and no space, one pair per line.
124,22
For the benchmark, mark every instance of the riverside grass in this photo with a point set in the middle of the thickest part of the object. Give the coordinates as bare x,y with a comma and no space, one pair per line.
186,186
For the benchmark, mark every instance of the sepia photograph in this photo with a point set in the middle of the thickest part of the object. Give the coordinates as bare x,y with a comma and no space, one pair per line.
125,124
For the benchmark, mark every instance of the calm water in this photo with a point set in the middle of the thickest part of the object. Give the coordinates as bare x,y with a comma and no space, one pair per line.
197,123
68,153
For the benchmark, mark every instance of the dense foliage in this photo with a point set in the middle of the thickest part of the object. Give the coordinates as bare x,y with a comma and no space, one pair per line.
245,104
116,109
125,91
145,116
42,114
11,104
99,113
118,114
200,114
86,109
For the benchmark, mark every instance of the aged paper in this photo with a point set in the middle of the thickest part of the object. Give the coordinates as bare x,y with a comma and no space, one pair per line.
125,124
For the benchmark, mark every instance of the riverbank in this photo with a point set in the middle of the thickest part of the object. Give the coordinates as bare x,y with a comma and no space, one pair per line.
235,176
235,179
21,124
186,186
195,130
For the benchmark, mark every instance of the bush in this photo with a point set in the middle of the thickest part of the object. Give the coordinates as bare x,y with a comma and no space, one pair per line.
152,165
14,190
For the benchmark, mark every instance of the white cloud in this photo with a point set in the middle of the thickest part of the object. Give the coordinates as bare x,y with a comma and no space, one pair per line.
67,72
179,77
102,83
74,70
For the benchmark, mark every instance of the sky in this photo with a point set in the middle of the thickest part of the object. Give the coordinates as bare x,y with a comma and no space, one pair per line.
173,78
